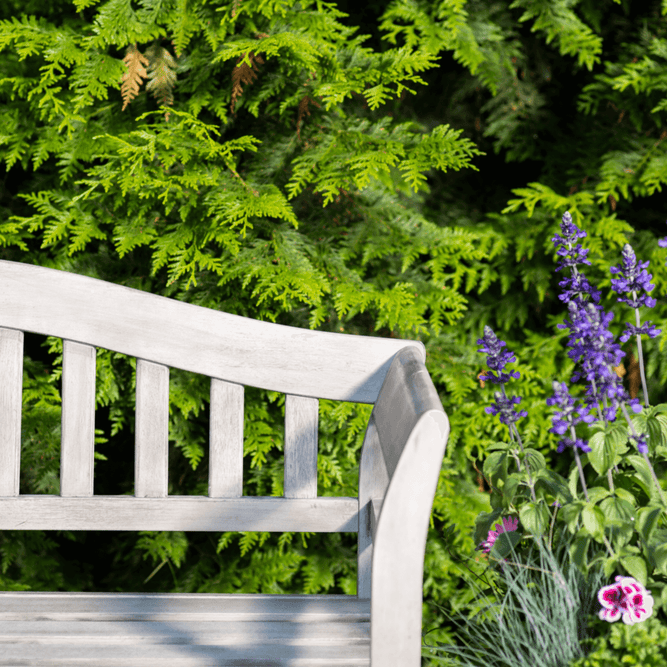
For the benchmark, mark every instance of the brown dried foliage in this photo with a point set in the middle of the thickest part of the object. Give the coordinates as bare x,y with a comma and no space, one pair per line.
161,74
244,75
136,64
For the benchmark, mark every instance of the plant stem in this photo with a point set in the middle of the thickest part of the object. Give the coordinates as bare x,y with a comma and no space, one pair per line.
640,354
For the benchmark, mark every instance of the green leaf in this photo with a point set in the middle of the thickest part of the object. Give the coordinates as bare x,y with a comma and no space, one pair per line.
535,517
617,511
636,566
571,512
579,549
511,486
619,518
554,484
660,557
643,475
535,459
647,521
657,431
573,481
603,452
597,493
495,467
593,519
609,565
625,495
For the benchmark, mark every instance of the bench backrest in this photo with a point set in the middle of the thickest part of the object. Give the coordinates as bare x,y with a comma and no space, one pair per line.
402,452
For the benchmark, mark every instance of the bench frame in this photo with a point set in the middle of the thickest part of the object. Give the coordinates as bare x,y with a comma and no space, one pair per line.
400,462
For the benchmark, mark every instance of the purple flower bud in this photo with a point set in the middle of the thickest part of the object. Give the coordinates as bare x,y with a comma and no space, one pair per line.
634,278
573,254
663,242
497,359
503,407
642,445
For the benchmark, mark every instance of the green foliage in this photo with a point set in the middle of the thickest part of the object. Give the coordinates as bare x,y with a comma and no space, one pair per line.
642,644
293,179
556,19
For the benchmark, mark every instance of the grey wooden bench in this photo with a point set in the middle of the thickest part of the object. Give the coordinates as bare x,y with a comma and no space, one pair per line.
400,463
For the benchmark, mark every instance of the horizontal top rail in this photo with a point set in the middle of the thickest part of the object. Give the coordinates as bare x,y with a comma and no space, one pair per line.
326,514
229,347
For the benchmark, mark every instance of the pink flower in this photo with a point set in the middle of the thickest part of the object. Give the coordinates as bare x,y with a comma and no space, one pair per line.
508,525
626,597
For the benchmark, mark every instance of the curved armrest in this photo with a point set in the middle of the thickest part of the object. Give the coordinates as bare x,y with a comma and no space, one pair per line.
400,466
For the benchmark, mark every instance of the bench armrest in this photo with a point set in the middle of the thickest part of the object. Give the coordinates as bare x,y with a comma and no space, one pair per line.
400,467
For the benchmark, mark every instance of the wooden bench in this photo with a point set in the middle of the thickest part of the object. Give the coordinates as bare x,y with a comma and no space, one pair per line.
400,464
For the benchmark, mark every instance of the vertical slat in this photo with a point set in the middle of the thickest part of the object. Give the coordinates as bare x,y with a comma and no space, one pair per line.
77,449
225,472
151,453
11,393
300,447
373,483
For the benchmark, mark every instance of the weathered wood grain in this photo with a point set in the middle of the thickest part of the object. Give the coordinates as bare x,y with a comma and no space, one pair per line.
412,431
151,443
121,629
301,418
225,469
236,349
77,448
11,373
196,513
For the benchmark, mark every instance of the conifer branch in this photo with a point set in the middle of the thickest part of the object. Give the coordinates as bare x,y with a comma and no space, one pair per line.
136,64
243,75
303,108
161,74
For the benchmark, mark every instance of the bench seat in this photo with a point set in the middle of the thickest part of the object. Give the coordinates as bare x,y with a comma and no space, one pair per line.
183,630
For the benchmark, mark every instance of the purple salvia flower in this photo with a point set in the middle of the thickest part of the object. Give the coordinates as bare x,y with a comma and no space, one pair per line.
497,359
503,407
573,255
591,342
642,445
635,280
564,419
589,323
663,242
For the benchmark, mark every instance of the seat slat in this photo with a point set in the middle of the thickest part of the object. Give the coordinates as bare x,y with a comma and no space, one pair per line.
11,372
301,420
49,512
183,632
30,605
182,655
225,477
151,430
77,453
123,629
